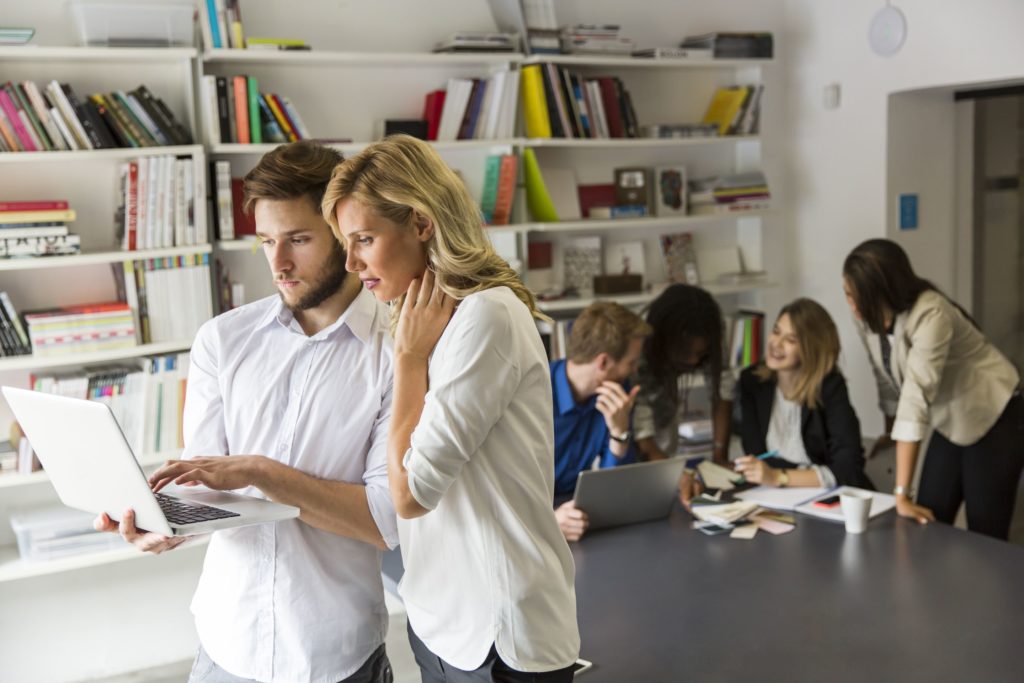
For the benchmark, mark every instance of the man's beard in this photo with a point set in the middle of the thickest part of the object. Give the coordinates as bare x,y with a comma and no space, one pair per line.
331,279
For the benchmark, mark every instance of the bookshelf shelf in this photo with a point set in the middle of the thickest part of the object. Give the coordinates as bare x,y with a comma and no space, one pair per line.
238,245
89,155
40,477
643,63
588,225
36,263
12,567
632,143
359,59
73,359
639,299
356,147
38,53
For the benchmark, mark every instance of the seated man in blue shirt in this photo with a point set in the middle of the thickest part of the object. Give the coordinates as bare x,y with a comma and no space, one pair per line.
593,400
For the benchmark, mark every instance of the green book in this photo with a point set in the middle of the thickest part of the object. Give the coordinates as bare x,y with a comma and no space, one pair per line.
492,171
748,340
255,129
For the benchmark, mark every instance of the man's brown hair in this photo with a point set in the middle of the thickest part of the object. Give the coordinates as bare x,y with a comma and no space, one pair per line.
298,169
604,327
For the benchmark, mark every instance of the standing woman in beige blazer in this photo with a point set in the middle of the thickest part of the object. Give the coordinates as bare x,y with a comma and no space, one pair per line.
936,369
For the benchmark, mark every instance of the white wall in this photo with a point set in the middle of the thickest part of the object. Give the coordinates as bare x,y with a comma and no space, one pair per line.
838,157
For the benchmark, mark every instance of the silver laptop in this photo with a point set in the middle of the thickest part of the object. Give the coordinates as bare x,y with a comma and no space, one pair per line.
629,493
91,465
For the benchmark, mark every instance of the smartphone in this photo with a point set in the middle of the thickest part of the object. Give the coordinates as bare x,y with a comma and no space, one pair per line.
829,502
581,665
714,529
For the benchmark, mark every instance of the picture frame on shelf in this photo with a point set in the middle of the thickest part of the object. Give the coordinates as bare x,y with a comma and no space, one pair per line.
670,191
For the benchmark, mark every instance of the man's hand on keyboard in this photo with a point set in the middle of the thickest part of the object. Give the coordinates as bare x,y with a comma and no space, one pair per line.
145,541
224,473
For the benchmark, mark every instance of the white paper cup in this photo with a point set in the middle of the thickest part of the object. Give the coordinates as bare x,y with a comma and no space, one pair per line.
856,510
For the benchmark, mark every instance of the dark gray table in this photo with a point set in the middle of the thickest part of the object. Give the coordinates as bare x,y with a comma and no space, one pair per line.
662,602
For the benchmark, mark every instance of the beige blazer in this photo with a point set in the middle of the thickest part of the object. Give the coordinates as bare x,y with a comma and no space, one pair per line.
945,374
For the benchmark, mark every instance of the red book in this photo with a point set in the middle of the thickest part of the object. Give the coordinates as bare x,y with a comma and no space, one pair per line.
432,112
612,108
284,114
595,195
244,223
11,111
539,255
41,205
131,207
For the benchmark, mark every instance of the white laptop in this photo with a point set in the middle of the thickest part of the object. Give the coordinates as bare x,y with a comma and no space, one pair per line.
91,465
629,493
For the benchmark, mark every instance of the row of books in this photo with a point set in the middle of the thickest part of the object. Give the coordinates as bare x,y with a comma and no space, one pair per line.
746,338
169,297
599,39
55,118
499,188
220,25
14,340
81,329
231,220
729,193
146,397
557,103
473,109
736,110
157,203
36,228
236,111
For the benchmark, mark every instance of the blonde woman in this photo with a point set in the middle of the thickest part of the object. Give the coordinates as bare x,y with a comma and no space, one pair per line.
488,579
796,404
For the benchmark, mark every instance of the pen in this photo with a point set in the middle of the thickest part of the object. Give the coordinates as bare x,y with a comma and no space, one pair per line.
769,454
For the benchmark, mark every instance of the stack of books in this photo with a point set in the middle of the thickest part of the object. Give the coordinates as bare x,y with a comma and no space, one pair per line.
473,109
728,194
746,338
145,397
55,118
237,112
81,329
157,203
229,193
37,228
557,103
14,340
599,39
478,41
735,110
733,45
542,32
169,298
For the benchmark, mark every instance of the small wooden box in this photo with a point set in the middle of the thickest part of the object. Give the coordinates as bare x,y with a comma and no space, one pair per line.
618,284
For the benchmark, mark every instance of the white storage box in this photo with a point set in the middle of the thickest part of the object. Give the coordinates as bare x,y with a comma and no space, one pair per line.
49,533
136,24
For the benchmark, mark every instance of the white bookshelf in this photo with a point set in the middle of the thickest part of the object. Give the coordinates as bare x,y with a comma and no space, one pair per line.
95,55
612,62
10,481
14,568
248,245
629,224
349,148
575,304
90,155
14,363
631,143
358,59
71,261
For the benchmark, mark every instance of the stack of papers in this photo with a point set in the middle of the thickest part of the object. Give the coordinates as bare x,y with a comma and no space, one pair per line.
781,498
723,514
718,477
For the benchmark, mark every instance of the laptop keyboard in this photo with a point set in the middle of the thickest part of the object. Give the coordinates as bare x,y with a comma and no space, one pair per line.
179,512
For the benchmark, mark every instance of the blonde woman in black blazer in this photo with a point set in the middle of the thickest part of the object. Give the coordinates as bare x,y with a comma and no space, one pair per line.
936,370
796,402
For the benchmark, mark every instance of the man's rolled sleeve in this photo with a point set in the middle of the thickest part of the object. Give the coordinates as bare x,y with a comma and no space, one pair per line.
378,494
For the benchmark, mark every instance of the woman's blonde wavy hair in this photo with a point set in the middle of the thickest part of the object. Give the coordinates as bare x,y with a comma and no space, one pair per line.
818,340
402,176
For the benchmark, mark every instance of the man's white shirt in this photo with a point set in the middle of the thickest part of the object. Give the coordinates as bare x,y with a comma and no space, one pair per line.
286,601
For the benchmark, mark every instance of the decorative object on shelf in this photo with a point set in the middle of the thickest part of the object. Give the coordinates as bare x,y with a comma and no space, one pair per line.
537,198
625,258
670,191
758,45
633,187
887,31
680,258
582,262
10,35
133,24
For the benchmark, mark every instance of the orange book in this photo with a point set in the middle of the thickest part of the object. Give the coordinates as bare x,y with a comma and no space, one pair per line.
506,190
282,120
241,86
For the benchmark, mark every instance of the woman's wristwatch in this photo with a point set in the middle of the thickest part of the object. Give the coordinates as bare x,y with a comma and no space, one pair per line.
782,479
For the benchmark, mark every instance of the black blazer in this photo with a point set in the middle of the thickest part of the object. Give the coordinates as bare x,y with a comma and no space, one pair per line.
831,433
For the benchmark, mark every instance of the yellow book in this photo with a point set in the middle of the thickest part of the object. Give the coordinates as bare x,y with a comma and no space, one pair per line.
724,106
237,36
535,108
56,216
537,198
282,120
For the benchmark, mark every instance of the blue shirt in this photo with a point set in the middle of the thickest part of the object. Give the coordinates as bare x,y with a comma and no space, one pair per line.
581,434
